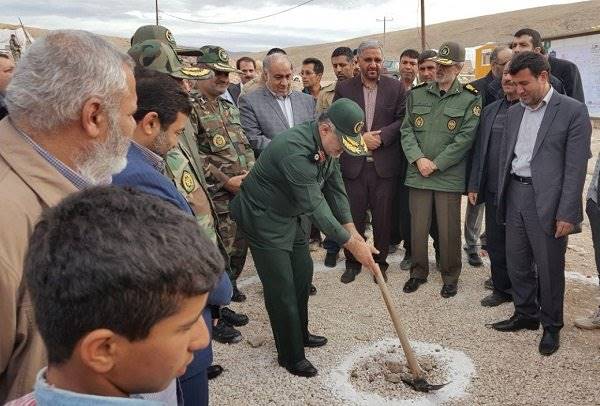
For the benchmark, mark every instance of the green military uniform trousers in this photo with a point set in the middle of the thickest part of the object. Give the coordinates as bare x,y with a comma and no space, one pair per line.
286,277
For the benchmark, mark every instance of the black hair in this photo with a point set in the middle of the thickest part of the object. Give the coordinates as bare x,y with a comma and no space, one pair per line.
317,64
343,51
536,38
533,61
114,258
160,93
276,51
410,53
245,59
426,55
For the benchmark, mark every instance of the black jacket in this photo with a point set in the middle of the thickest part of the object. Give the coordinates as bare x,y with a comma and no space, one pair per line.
568,73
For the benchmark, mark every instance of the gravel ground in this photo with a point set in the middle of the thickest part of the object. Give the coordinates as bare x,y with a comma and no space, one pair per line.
508,368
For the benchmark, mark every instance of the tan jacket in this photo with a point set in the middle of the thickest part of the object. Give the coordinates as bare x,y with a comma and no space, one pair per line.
28,184
325,97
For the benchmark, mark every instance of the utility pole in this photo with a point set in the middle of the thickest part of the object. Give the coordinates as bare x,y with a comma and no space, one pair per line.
156,8
423,25
384,20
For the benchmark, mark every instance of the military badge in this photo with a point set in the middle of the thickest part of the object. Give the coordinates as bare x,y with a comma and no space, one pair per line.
195,72
187,181
219,141
419,122
451,124
445,51
358,127
477,111
169,37
223,55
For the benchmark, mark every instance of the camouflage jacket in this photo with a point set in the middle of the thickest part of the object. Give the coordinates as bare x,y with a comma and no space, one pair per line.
222,145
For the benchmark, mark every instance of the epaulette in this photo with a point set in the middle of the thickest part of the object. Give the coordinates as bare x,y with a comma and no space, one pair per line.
471,88
419,85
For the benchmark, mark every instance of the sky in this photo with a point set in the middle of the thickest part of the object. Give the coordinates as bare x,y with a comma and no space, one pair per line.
319,21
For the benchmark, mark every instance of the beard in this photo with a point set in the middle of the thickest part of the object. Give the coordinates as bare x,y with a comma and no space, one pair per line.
102,160
159,145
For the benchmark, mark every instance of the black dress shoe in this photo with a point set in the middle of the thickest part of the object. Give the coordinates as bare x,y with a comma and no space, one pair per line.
233,318
313,290
516,323
475,259
550,342
448,290
495,299
313,341
412,284
349,275
237,295
331,259
301,368
224,333
213,371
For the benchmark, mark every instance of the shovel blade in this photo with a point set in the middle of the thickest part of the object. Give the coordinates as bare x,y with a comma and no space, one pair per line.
421,385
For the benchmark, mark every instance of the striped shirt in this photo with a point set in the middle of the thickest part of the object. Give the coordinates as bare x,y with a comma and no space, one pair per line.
75,178
27,400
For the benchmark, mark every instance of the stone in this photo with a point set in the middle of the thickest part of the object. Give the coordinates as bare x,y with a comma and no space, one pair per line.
391,377
256,341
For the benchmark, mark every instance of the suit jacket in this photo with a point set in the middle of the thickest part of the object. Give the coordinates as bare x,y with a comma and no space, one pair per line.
235,90
263,119
28,185
389,113
558,162
488,92
478,176
568,73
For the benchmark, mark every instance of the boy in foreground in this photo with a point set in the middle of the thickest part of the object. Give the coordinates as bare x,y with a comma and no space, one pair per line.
117,296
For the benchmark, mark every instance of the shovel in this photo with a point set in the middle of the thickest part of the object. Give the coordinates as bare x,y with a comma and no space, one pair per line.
418,381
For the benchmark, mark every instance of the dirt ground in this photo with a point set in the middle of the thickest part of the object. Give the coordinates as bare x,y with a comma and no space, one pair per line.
508,369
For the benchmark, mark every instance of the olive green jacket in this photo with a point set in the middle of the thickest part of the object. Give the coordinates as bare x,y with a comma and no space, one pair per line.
290,180
442,129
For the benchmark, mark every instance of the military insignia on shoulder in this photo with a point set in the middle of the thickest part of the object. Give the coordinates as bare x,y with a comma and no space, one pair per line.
358,127
419,121
187,182
451,124
471,88
219,141
477,111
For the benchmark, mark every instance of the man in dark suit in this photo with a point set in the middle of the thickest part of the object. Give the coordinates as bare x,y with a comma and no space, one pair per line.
371,181
483,186
569,74
543,164
274,108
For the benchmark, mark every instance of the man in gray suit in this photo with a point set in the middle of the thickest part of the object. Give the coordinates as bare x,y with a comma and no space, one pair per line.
274,108
543,163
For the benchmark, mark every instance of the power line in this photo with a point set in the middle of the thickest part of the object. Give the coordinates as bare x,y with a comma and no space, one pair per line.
241,21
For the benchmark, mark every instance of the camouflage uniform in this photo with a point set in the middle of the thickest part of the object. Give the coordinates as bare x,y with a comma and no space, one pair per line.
226,153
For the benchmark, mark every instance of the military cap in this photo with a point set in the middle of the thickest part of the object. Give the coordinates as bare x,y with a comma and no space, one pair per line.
162,34
159,56
450,53
348,119
215,58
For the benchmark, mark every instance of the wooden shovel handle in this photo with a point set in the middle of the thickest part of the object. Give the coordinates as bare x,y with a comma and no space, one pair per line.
408,351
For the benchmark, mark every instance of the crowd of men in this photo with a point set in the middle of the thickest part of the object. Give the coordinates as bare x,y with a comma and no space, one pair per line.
134,185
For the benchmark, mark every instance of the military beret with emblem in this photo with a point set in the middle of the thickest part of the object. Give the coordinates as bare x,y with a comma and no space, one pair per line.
163,34
158,56
450,53
349,121
216,58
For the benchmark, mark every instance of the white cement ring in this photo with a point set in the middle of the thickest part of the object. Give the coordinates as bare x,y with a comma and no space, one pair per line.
459,366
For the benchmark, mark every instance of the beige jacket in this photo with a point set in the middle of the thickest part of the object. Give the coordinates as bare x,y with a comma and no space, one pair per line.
28,184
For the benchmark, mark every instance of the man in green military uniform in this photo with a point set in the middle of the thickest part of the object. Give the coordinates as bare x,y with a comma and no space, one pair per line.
298,175
227,154
437,132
